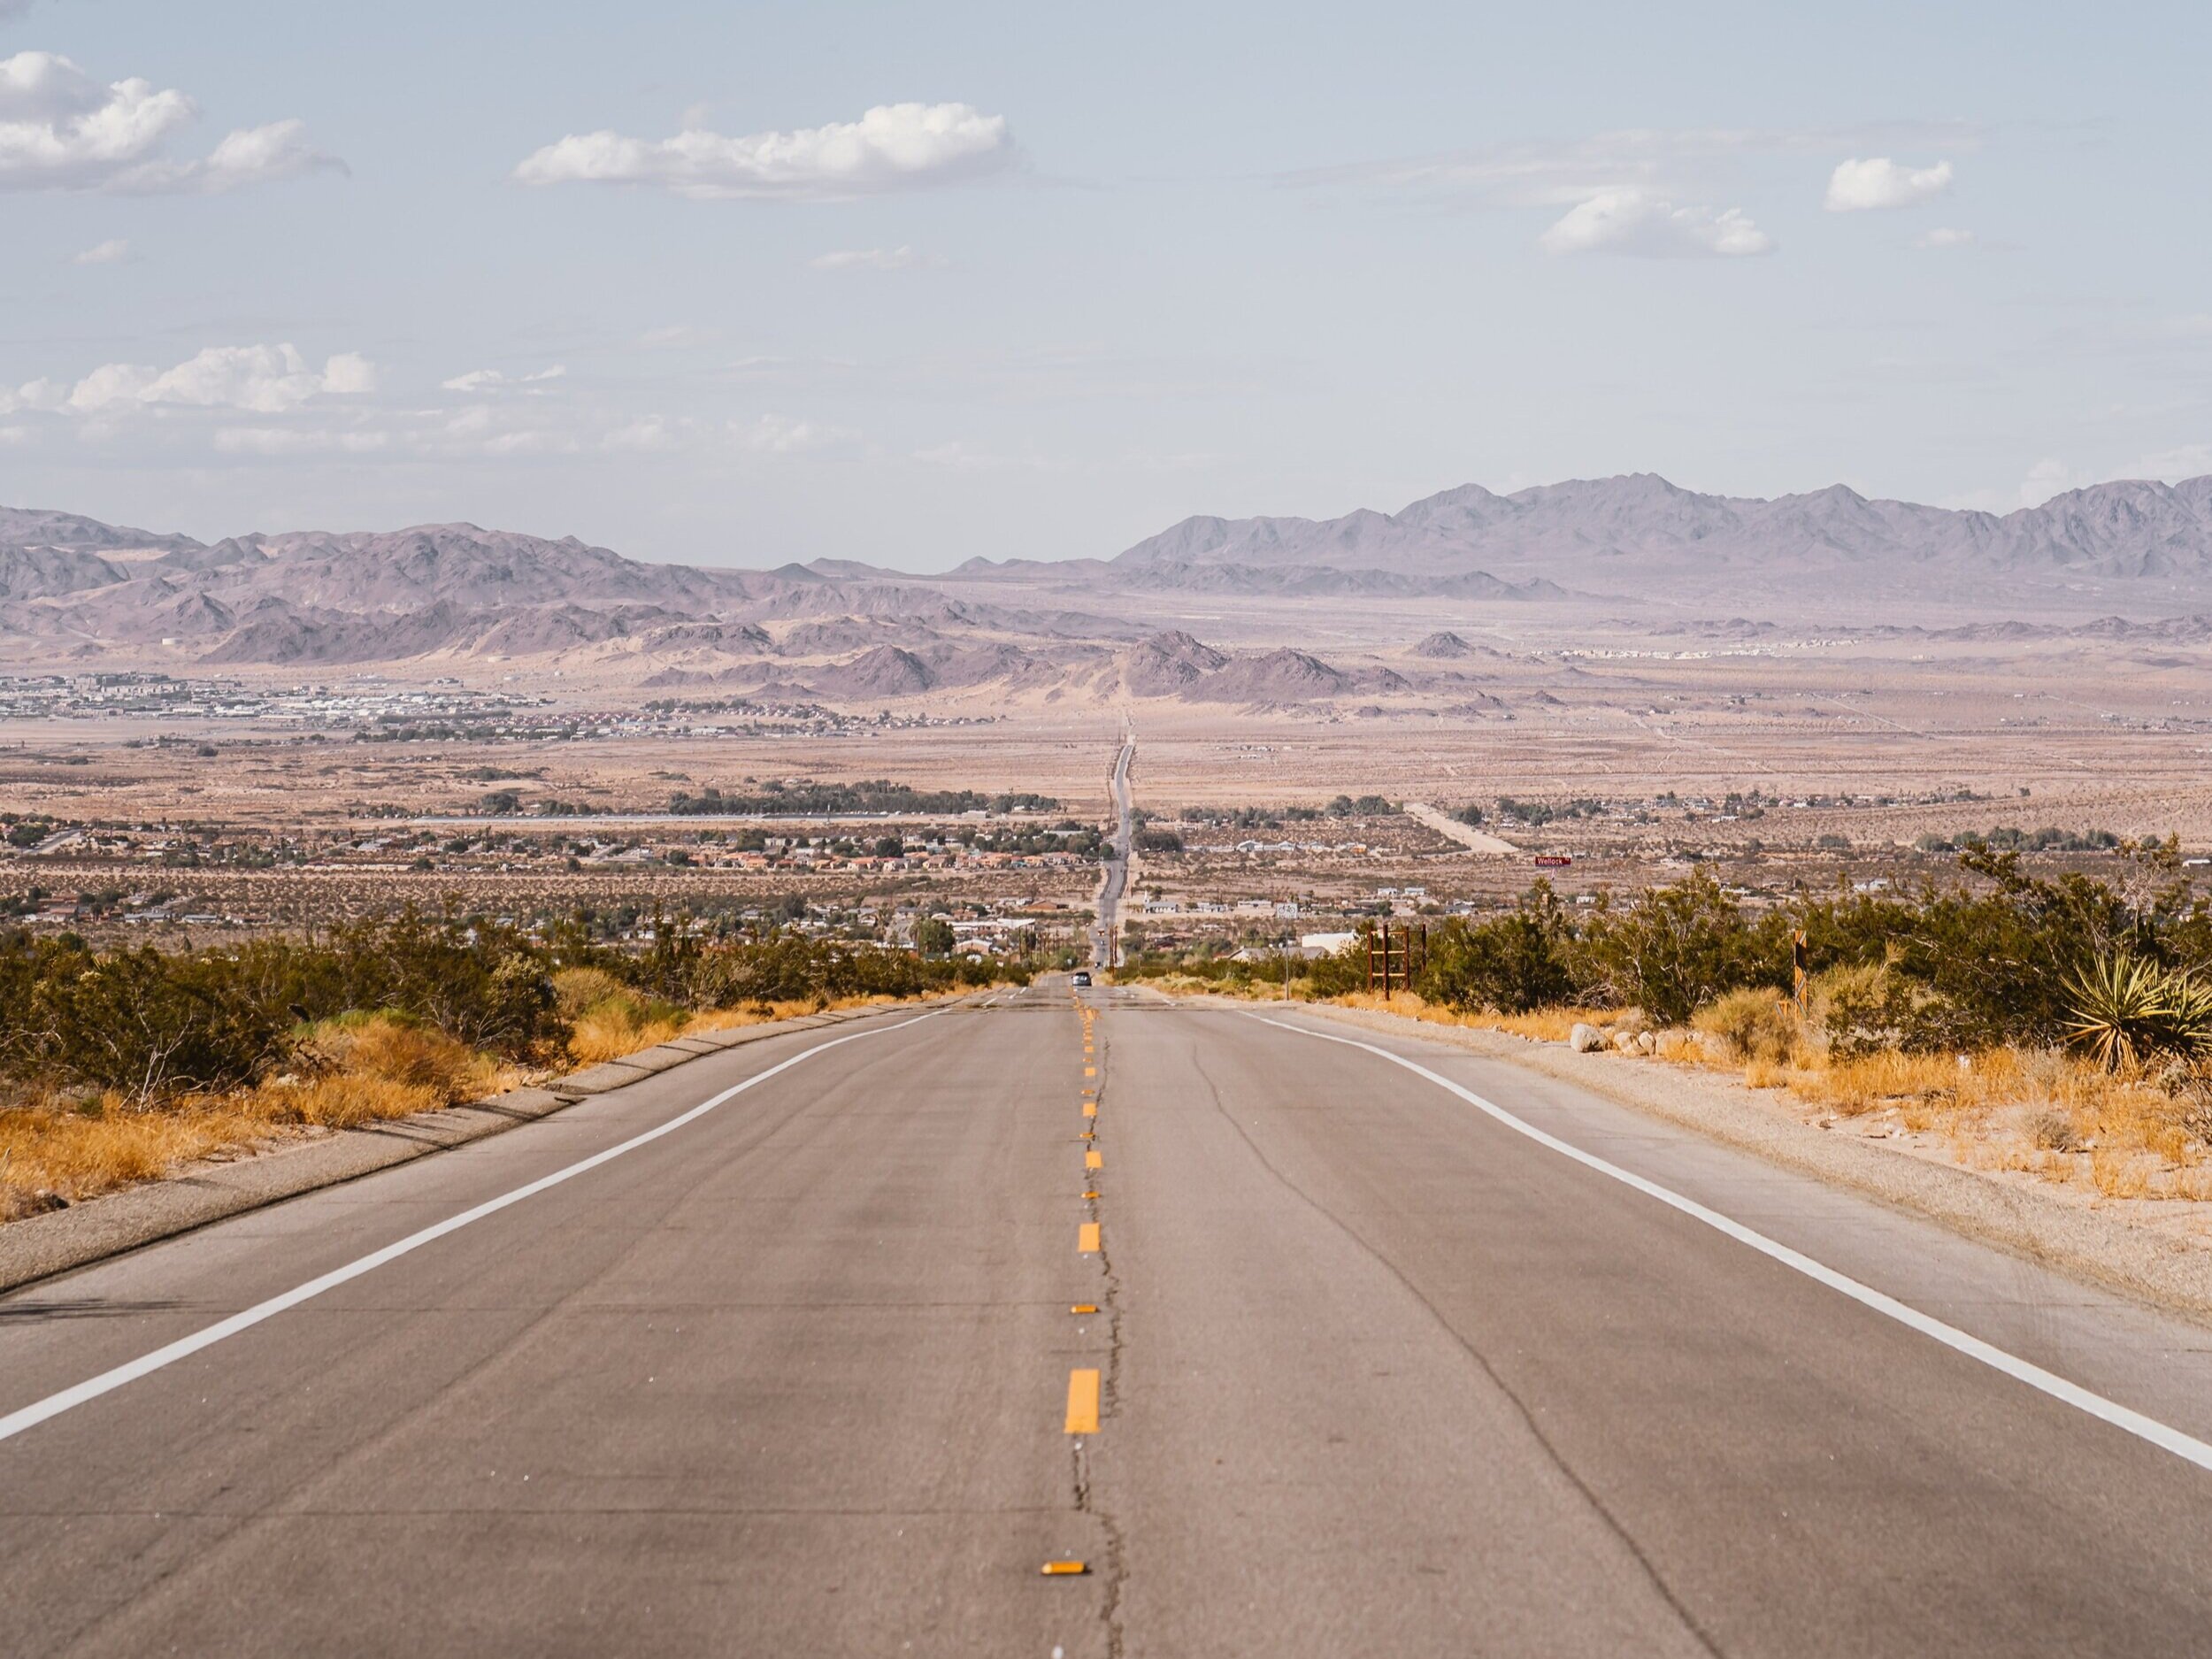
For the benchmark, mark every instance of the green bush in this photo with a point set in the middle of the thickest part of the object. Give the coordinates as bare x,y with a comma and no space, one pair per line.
1674,949
1506,964
148,1022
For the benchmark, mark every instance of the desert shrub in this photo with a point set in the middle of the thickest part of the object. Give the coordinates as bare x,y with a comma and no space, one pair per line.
1673,949
2054,1131
484,983
1339,973
1866,1009
577,989
1508,964
141,1021
1752,1023
1997,959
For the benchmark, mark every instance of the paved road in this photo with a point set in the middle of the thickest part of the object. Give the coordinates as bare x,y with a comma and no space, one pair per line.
1377,1374
1114,878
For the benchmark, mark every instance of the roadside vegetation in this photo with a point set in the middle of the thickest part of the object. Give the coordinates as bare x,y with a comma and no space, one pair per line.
2058,1025
118,1065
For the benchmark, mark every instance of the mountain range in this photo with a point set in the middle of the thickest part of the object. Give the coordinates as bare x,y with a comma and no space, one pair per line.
75,590
1642,527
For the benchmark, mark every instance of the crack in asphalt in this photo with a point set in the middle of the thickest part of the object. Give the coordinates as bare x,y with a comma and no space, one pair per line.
1086,1498
1528,1418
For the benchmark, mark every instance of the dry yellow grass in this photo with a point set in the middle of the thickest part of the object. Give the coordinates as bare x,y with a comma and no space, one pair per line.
618,1027
2042,1111
354,1070
1545,1025
46,1148
351,1071
386,1050
76,1152
623,1023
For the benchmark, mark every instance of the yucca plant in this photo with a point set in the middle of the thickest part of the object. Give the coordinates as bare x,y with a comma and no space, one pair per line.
2192,1017
2125,1008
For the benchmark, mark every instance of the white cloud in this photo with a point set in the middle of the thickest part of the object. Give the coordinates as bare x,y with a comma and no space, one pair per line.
62,130
2188,460
263,379
899,258
1635,222
1856,186
641,437
787,434
1945,236
492,379
110,252
893,147
250,155
1558,173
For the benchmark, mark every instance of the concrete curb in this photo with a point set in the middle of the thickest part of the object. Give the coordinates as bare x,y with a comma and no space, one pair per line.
40,1246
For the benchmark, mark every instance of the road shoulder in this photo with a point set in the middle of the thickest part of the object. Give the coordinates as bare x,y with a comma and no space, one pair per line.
2086,1240
40,1246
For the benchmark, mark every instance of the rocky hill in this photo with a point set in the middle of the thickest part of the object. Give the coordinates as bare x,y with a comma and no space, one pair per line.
1642,536
78,592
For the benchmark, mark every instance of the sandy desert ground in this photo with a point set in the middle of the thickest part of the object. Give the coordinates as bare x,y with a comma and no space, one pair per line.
1779,760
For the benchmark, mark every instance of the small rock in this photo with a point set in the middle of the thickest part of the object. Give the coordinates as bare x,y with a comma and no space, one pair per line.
1585,1039
1647,1042
1624,1041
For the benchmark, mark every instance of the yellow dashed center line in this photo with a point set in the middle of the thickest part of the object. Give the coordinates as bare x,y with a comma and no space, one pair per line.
1083,1385
1082,1403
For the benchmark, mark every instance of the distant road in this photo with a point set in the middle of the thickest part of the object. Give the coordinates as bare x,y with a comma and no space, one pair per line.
1466,835
1115,878
1364,1368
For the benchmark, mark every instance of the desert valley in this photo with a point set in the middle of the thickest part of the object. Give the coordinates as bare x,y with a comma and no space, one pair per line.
276,729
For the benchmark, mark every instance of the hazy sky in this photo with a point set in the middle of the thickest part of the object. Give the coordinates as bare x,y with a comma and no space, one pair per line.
743,284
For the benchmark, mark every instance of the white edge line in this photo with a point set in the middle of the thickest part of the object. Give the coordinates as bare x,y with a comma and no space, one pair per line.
2162,1435
31,1416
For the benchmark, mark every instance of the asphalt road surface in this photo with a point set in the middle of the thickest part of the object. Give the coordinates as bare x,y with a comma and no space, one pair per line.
1375,1374
1113,881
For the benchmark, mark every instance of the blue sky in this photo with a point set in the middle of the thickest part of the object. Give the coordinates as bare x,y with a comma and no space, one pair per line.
1086,270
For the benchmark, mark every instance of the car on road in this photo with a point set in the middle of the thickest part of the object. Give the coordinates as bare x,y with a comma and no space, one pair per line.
1082,980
